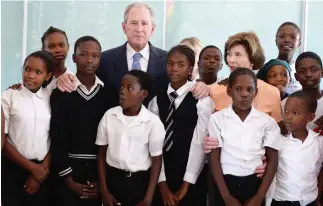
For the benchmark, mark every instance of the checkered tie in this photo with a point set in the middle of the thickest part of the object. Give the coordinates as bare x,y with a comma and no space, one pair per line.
170,122
136,64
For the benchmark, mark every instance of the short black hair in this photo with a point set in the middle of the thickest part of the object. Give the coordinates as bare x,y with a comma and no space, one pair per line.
185,50
289,23
209,47
309,101
241,71
45,56
85,39
143,79
52,30
308,54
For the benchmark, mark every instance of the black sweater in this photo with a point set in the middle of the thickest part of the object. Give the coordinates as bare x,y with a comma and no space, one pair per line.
74,122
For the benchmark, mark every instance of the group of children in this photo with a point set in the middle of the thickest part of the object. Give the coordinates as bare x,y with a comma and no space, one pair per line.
79,148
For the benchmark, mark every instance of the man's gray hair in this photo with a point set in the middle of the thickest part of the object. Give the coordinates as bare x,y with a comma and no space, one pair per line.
139,4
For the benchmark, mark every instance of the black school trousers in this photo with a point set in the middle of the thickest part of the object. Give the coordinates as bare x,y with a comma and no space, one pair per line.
126,187
84,170
13,179
242,188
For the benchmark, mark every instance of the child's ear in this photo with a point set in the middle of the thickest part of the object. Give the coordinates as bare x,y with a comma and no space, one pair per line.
310,117
299,44
199,64
74,58
49,75
144,93
296,76
229,91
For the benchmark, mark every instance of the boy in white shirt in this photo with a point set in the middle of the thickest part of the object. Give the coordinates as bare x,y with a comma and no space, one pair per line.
301,157
130,140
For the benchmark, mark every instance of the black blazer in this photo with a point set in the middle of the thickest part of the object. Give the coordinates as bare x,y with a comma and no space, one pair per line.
113,66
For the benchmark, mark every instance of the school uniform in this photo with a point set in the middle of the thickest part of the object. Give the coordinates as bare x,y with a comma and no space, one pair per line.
318,112
132,141
299,166
27,118
179,134
53,83
266,92
74,123
293,85
242,149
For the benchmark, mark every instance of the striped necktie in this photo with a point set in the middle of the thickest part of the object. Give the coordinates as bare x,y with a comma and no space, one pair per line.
170,122
136,64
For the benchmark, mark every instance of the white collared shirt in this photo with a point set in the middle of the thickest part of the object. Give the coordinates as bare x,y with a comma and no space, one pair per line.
27,119
52,85
299,164
83,87
181,92
243,143
131,141
318,112
145,52
293,85
205,108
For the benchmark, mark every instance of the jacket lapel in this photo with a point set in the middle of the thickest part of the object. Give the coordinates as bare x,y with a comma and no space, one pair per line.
154,62
121,67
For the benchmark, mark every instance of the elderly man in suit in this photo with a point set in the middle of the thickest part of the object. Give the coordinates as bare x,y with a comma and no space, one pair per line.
136,53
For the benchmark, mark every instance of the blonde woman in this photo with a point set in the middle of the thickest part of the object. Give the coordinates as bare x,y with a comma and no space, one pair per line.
196,45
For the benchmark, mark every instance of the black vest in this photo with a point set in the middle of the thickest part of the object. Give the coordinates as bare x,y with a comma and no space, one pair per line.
185,120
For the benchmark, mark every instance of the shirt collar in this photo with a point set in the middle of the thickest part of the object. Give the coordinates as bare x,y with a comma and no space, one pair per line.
41,93
181,90
96,82
144,52
143,115
310,136
230,112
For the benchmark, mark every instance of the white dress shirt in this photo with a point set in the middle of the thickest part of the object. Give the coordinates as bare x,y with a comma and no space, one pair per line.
293,85
299,166
53,84
243,143
131,141
205,107
181,92
78,84
27,118
318,112
145,52
197,157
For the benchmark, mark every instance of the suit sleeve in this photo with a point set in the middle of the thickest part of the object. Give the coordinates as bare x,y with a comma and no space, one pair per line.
59,133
